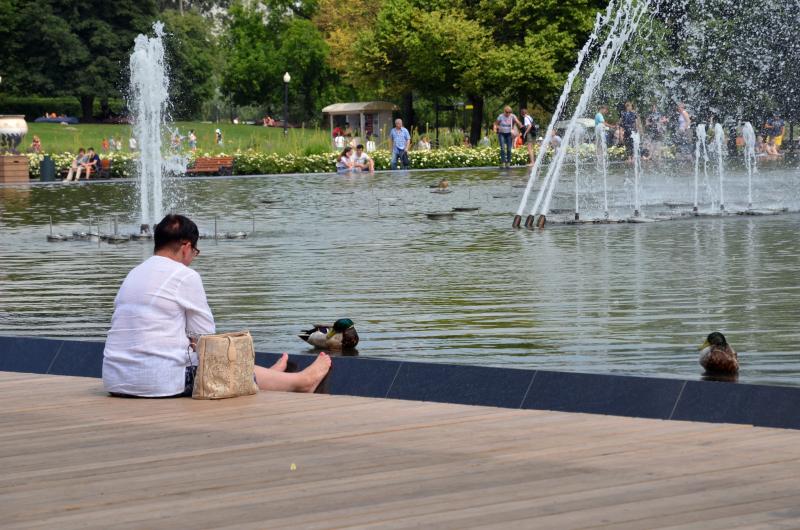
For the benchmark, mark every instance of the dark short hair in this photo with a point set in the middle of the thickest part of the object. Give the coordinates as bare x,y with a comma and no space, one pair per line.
91,149
359,146
173,230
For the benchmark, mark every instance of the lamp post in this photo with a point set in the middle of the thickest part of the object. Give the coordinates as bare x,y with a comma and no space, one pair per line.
286,79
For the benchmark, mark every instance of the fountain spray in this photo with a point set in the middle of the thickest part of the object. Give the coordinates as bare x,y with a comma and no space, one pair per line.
719,142
699,148
749,158
599,22
148,99
637,163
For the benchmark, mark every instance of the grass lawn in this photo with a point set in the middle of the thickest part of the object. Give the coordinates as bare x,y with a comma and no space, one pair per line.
58,138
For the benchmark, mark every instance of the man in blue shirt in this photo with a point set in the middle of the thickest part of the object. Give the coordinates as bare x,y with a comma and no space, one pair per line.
400,141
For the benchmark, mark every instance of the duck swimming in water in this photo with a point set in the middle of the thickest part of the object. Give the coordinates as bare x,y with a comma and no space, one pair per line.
341,336
717,356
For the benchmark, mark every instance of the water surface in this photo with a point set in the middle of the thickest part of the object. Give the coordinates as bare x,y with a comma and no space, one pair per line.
626,298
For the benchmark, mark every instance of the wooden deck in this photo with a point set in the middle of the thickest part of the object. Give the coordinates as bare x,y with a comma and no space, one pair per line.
72,457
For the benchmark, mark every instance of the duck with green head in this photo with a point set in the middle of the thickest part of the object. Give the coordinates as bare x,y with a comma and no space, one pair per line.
717,356
341,336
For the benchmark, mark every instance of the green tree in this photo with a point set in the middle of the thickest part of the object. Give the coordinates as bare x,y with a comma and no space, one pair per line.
193,60
259,46
75,48
510,48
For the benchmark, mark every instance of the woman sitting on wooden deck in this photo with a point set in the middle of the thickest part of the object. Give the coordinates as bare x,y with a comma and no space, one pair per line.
160,305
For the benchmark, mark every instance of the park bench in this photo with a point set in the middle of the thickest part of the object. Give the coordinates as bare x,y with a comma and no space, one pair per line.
218,165
103,171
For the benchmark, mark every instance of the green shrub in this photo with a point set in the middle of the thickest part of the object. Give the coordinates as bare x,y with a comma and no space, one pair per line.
123,164
35,107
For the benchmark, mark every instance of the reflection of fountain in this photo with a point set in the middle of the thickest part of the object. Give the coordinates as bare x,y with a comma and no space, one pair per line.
148,100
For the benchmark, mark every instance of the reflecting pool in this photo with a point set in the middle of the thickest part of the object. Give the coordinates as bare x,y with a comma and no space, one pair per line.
612,298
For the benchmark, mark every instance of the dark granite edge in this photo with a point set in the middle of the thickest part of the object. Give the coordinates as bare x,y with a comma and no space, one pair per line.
609,394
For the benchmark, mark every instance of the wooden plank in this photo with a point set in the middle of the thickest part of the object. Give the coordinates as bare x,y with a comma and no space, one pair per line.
73,457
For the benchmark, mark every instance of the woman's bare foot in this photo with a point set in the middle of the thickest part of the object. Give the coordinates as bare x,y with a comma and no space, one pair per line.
316,372
280,365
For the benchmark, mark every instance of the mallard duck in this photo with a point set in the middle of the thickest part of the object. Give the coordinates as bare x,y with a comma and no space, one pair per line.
341,336
717,356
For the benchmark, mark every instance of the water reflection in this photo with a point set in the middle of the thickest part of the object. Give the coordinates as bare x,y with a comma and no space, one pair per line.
633,298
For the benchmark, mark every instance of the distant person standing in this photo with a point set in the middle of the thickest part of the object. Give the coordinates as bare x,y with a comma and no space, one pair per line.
775,128
105,145
503,126
132,144
529,132
192,140
400,141
628,120
218,137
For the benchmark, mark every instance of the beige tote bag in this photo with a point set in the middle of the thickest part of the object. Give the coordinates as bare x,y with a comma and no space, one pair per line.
225,367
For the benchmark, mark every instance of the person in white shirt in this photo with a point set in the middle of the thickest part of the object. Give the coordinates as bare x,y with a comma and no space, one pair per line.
159,307
362,161
529,133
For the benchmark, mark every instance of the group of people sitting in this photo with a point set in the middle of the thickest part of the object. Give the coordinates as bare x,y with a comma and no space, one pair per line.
86,162
358,160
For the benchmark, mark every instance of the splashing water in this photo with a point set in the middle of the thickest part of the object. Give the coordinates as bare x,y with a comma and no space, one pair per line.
601,148
637,171
749,158
625,23
719,142
599,22
148,102
700,151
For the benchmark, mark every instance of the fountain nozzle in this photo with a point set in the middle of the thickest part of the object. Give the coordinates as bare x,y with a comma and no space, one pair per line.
721,207
636,213
577,216
144,229
516,223
529,221
541,221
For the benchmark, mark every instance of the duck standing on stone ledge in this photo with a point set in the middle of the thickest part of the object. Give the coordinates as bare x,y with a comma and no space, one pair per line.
341,336
717,356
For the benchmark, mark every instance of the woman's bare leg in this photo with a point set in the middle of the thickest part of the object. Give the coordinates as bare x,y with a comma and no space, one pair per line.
305,381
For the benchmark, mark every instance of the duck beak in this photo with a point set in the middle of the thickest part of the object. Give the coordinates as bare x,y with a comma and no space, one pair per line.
705,345
331,333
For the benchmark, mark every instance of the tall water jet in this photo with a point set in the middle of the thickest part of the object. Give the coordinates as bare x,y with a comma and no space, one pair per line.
601,150
626,21
749,158
599,22
700,151
148,99
577,146
637,170
719,142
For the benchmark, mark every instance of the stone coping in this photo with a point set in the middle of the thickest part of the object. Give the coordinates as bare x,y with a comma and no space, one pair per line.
617,395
